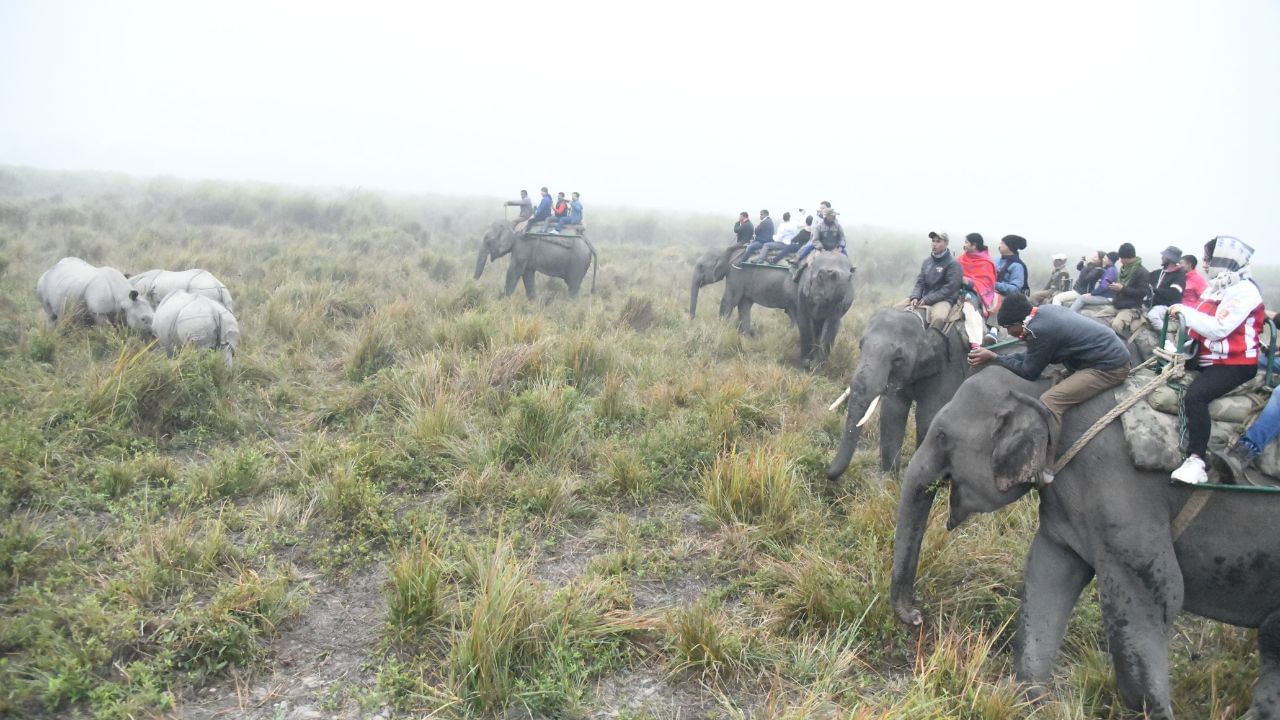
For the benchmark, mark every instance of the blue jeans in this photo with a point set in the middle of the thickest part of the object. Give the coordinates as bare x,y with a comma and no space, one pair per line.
787,251
565,220
751,249
1266,427
546,220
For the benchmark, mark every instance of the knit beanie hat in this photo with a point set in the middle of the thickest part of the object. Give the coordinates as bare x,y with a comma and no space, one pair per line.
1016,243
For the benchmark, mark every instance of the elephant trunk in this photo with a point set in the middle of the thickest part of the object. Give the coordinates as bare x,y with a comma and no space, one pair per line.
481,259
694,287
913,519
866,388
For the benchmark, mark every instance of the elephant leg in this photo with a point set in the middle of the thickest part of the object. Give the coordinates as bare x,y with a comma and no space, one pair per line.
727,303
1140,596
744,317
929,400
1266,693
893,429
806,339
829,330
1052,582
513,277
575,284
529,280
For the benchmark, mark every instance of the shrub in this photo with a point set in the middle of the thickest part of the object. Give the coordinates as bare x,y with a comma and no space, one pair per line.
757,488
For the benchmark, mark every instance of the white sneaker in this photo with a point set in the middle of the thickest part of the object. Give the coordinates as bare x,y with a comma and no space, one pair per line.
1191,472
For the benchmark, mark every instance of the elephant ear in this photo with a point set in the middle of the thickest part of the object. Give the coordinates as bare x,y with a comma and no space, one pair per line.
1025,437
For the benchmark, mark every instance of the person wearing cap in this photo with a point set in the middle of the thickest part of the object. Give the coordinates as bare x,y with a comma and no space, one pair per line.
1166,286
1059,281
1011,272
938,283
1101,293
1227,327
1130,289
1196,283
979,279
526,210
743,230
1096,357
763,236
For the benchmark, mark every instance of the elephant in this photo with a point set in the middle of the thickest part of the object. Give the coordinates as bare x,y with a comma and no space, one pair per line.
1099,517
748,285
824,293
184,318
710,269
901,361
533,254
100,295
156,284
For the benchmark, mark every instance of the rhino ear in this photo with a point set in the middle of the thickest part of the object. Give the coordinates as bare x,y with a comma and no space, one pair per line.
1024,441
133,294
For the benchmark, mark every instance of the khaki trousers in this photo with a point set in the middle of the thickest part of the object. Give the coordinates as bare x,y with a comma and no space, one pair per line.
1127,322
1080,386
938,312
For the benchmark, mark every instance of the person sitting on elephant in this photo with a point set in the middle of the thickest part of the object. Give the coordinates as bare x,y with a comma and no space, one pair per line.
828,236
1088,271
743,230
1166,286
798,241
1011,272
1196,284
1101,293
543,212
1249,446
573,217
1059,281
1130,289
526,210
787,229
764,236
1096,357
938,283
560,208
1227,325
979,279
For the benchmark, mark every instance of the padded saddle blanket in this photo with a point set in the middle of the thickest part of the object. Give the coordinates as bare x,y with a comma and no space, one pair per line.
1151,427
565,239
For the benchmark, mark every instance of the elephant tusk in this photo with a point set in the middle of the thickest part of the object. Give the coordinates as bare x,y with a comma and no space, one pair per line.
871,409
840,400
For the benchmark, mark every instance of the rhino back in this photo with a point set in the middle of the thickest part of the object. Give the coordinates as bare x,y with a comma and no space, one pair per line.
185,318
107,291
196,281
64,284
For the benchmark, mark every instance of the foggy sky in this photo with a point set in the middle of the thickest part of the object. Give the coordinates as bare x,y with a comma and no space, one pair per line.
1080,124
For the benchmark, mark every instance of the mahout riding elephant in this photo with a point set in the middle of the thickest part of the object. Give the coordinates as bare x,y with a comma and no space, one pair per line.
710,269
73,288
533,254
902,361
824,293
1152,555
748,285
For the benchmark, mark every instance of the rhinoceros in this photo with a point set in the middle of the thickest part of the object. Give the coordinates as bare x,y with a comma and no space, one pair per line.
183,318
75,289
156,284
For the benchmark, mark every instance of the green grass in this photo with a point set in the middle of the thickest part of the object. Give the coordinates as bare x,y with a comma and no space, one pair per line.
550,499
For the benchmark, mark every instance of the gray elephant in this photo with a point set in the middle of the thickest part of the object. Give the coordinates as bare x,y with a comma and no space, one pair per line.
1100,517
533,254
99,295
824,293
901,362
156,284
750,285
710,269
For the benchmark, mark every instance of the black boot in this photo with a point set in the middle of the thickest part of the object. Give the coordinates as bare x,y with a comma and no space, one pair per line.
1232,462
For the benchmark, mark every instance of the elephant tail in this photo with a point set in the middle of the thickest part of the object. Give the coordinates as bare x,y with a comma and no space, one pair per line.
594,263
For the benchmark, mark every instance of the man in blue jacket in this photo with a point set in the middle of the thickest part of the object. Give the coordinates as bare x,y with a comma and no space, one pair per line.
574,216
543,212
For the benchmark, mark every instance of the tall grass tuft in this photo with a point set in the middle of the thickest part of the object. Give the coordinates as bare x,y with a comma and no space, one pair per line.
541,426
374,349
756,488
415,598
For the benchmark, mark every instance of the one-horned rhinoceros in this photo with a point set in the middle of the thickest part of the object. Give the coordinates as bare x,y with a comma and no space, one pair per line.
156,284
186,319
75,289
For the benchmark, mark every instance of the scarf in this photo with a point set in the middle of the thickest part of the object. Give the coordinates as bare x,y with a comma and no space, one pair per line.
977,266
1126,271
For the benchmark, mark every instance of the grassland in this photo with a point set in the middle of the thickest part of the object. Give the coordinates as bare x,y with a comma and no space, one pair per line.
410,497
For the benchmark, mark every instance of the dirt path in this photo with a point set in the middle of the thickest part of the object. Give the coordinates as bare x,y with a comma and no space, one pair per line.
318,666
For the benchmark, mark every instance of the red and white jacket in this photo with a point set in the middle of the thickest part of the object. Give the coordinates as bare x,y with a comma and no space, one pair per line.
1229,328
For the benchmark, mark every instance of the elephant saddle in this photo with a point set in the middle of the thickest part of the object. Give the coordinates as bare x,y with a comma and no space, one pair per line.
563,240
1153,429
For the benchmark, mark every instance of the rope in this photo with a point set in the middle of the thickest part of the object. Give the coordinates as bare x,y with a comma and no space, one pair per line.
1172,371
1189,511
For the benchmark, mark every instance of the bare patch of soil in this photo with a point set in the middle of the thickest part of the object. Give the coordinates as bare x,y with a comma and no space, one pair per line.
318,666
